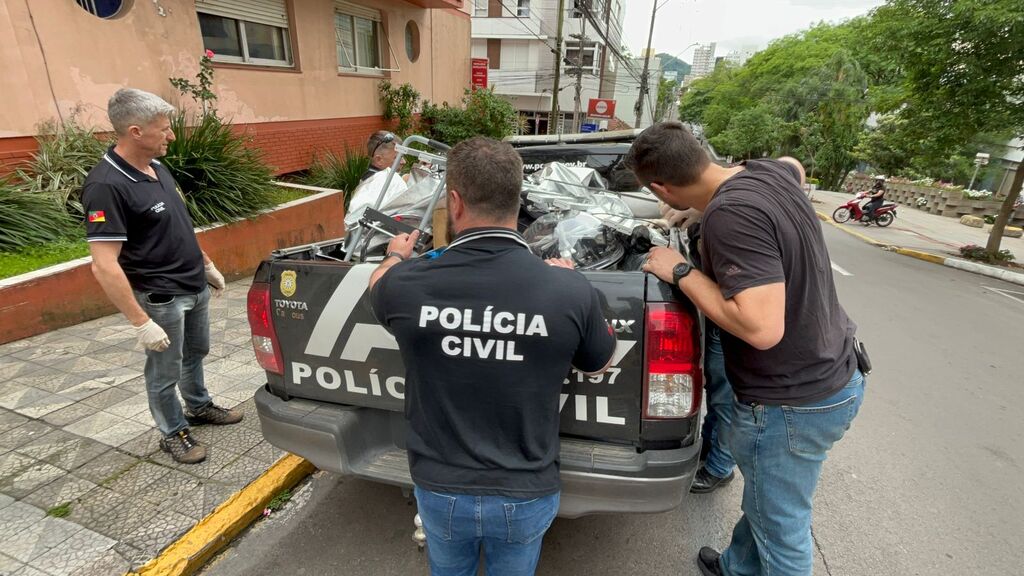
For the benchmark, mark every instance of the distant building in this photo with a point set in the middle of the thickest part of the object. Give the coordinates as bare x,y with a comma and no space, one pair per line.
739,57
703,61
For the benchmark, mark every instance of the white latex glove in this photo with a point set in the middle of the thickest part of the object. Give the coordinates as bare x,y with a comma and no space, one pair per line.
682,219
215,279
151,336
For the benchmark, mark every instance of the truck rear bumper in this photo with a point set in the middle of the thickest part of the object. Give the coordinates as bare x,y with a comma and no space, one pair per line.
368,443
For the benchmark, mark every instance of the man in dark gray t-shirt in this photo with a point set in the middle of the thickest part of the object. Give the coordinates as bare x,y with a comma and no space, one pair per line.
788,344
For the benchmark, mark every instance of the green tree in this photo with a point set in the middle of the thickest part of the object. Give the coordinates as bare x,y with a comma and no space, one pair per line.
484,113
961,64
400,103
753,132
666,96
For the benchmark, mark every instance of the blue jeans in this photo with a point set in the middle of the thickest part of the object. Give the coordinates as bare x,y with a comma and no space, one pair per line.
186,320
780,451
720,399
510,530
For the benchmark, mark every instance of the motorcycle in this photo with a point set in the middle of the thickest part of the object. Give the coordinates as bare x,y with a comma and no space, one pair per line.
853,210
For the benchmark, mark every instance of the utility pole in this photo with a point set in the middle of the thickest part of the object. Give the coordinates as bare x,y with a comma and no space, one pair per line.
647,62
582,37
555,115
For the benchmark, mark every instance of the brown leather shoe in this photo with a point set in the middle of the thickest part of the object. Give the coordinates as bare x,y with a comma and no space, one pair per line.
183,447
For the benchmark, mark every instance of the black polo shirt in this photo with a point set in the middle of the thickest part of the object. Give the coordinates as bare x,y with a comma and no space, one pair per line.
488,332
159,251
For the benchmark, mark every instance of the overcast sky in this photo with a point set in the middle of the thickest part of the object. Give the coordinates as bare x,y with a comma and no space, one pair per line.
733,24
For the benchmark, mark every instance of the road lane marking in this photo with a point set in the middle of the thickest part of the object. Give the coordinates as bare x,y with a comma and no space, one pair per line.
839,269
1007,293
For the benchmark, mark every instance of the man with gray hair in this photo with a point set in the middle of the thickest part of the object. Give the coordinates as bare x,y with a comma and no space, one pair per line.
146,257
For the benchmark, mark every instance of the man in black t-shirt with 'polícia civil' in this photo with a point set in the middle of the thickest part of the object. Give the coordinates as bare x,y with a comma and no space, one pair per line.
487,333
788,344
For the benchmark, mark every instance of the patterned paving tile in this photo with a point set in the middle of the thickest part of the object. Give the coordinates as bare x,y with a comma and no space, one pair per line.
54,343
131,406
110,563
105,467
27,432
11,367
12,463
108,397
69,415
38,538
30,571
146,445
179,492
111,514
16,518
132,556
5,501
65,489
80,550
63,449
46,378
217,383
107,428
241,471
10,420
33,402
216,459
121,357
30,478
9,565
161,530
137,479
266,452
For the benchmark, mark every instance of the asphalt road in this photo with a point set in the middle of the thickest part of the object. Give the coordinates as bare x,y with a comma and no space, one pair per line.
928,481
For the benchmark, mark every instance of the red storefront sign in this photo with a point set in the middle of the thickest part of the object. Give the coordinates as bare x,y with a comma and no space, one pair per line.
480,73
601,108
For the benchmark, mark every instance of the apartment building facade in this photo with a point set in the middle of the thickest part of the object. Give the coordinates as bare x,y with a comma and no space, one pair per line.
299,76
518,37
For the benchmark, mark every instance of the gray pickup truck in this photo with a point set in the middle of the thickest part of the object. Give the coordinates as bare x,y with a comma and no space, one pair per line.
336,384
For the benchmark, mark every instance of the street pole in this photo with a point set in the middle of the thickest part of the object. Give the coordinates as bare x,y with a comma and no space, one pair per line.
579,76
558,72
977,167
647,62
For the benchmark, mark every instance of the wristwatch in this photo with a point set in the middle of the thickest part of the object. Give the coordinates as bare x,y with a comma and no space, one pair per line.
394,254
679,271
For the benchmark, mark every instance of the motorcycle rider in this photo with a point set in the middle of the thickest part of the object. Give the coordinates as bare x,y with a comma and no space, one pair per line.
875,199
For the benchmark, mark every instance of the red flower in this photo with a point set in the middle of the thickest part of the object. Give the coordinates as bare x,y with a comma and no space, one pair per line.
209,53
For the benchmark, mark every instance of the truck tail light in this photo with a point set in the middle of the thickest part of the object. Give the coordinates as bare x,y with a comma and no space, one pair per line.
264,338
673,383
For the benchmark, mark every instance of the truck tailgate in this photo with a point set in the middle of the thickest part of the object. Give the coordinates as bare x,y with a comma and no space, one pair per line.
336,351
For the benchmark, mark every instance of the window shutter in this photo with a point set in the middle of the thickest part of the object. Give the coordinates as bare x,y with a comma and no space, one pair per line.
357,10
270,12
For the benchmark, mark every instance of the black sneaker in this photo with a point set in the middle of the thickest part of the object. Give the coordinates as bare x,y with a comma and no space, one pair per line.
183,447
707,561
705,482
213,414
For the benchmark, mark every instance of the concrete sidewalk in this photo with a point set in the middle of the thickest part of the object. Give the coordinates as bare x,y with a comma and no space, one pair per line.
917,230
84,487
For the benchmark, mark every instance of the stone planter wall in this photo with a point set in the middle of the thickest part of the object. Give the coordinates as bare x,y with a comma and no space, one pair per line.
67,294
940,201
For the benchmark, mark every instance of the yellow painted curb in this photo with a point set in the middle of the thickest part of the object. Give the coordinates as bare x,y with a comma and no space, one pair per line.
922,255
826,218
212,533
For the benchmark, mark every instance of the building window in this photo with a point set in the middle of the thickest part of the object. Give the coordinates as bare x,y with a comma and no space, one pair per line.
577,9
587,58
494,53
480,8
523,9
358,40
412,41
256,34
105,8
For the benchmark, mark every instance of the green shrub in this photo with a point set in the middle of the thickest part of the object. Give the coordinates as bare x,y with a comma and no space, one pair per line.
222,179
400,103
30,218
337,172
65,157
484,113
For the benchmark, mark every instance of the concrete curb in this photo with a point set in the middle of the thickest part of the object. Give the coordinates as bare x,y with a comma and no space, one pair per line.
195,547
990,271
